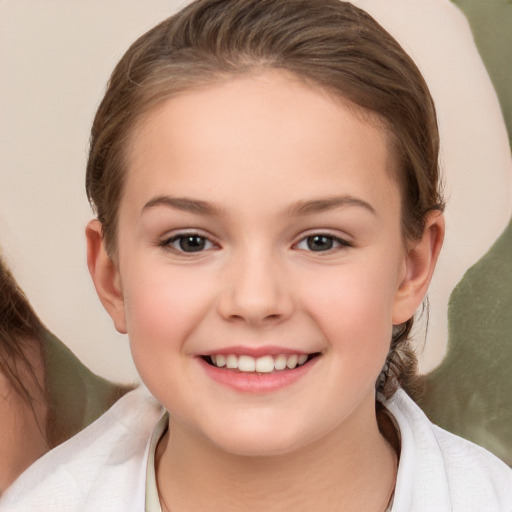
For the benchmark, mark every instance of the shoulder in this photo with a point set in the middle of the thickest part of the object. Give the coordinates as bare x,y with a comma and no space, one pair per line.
443,470
103,464
472,469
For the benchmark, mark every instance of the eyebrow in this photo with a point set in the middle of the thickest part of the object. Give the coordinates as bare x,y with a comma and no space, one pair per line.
183,203
326,204
299,208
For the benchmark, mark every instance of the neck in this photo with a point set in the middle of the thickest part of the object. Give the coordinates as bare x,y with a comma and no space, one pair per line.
350,471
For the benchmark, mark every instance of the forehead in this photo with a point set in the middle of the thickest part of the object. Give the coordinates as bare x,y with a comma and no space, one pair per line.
256,130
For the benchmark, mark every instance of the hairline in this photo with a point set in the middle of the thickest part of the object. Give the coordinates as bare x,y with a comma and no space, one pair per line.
216,77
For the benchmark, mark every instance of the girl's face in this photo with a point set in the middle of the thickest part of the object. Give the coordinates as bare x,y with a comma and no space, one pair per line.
259,228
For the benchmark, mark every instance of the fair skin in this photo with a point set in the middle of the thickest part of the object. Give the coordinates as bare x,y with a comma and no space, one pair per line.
260,219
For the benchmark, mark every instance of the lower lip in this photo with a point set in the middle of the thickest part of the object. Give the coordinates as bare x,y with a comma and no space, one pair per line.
257,382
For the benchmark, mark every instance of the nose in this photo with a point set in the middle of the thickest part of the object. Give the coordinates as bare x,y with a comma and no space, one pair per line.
256,290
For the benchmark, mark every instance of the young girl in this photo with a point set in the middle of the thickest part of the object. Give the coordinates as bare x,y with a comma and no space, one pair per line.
265,178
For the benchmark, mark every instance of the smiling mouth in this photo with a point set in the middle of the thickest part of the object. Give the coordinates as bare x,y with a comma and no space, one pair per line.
264,364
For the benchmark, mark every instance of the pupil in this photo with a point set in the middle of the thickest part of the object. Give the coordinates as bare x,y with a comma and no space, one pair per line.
192,243
320,243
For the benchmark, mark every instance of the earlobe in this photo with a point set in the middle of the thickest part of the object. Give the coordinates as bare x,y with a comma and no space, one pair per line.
105,275
421,260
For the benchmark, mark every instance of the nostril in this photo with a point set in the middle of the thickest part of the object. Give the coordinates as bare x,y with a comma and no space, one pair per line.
256,298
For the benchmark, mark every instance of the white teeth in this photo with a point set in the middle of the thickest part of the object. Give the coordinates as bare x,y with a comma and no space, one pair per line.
246,364
291,362
264,364
280,362
231,361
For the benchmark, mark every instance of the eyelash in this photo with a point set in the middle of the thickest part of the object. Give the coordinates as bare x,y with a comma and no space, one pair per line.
206,244
179,238
335,240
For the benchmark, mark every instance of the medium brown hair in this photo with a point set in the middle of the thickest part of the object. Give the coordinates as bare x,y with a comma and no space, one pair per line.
327,43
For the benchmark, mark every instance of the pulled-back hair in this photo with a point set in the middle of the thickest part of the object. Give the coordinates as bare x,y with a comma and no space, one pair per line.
326,43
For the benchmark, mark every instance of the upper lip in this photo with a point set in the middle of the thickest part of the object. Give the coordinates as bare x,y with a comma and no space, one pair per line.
256,351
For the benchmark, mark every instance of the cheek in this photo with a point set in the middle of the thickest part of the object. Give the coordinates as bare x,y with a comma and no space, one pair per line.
162,307
353,290
354,305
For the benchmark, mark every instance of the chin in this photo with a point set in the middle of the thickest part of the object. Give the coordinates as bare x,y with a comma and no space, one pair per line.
258,448
265,439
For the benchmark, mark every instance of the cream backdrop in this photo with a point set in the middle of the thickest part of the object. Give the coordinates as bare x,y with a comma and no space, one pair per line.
55,59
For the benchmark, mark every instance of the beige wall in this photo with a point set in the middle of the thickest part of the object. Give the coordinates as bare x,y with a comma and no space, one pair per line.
55,59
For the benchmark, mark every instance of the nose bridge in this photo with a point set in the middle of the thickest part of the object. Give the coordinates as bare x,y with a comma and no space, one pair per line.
257,290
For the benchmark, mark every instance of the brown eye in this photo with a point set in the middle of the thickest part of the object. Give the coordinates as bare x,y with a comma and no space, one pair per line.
320,242
188,243
192,243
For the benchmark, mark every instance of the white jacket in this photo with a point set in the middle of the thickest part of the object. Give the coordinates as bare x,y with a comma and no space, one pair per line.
103,468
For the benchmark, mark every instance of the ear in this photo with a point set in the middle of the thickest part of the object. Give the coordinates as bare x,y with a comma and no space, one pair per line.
421,259
105,275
